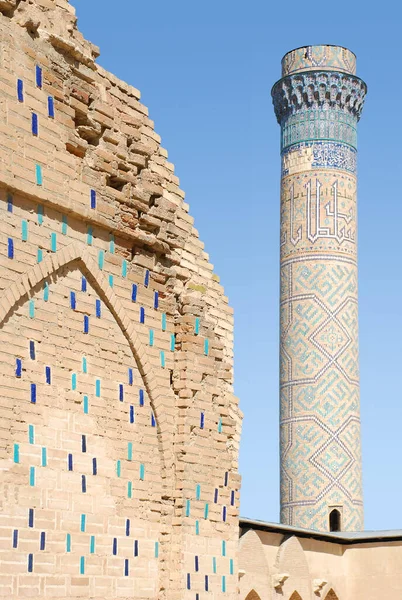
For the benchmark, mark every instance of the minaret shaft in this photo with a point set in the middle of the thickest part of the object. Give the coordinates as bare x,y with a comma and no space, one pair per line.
318,103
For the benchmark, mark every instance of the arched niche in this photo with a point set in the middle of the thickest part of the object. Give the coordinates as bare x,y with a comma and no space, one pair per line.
331,595
295,596
252,596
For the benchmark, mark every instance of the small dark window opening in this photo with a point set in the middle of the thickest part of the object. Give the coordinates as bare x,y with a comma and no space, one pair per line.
334,520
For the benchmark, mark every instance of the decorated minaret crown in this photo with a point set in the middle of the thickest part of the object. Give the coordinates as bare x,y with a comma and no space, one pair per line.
318,103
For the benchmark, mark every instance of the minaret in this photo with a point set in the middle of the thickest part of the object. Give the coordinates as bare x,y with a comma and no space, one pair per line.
318,103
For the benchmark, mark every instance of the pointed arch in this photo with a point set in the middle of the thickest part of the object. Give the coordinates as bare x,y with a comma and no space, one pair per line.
28,284
295,596
252,596
331,595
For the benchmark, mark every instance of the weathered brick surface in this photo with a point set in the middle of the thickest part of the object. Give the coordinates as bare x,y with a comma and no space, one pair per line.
119,426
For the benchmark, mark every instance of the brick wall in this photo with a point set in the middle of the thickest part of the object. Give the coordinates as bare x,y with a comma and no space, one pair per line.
119,426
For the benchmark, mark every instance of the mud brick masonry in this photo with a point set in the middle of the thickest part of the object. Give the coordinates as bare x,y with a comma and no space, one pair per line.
119,428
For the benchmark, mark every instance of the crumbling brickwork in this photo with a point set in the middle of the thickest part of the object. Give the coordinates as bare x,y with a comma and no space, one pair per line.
119,427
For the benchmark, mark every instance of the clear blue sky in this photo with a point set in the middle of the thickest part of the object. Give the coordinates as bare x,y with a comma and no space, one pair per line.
205,70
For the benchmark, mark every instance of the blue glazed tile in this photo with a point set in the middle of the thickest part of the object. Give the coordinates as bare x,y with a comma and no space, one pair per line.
223,583
20,90
197,528
83,523
151,337
42,540
172,342
30,563
32,476
188,508
135,547
231,566
156,552
33,393
223,548
226,478
50,107
97,388
114,548
118,468
124,269
35,124
197,326
206,347
83,284
93,199
111,281
15,538
31,434
162,359
224,513
86,324
206,510
70,462
121,392
202,420
68,542
98,309
82,565
101,259
31,309
44,457
31,516
24,230
18,367
163,321
73,381
16,455
142,314
94,466
38,76
142,472
92,545
188,581
85,405
196,565
206,583
9,203
10,248
141,396
153,421
134,290
112,244
46,291
126,567
90,235
130,376
130,451
198,492
83,484
127,527
32,354
40,255
64,225
156,300
132,415
38,175
214,564
73,300
232,498
129,489
83,443
84,365
220,426
146,278
53,242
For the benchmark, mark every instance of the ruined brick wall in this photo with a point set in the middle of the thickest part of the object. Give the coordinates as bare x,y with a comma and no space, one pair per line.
119,426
